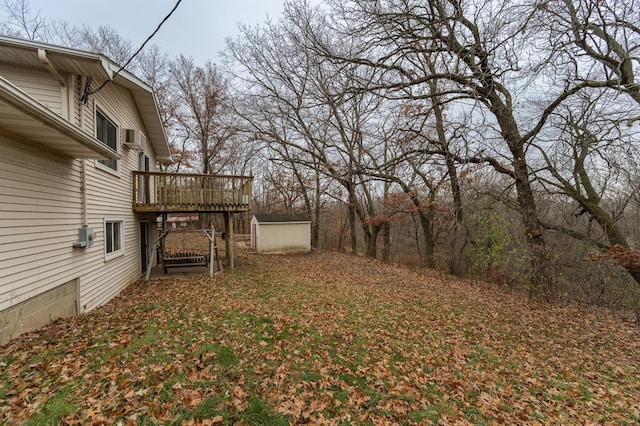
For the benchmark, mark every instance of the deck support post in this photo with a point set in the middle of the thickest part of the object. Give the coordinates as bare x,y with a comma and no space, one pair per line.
213,251
154,252
228,229
164,230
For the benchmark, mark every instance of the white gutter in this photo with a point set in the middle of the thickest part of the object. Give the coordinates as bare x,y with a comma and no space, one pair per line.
42,55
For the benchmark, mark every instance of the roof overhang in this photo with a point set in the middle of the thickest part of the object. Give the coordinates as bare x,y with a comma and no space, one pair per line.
27,53
25,119
30,53
147,105
279,219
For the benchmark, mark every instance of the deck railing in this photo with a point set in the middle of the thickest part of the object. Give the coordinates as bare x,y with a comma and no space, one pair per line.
182,192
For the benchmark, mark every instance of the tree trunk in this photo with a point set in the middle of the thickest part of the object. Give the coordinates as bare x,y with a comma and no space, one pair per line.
352,222
386,242
457,266
460,232
429,242
343,231
540,282
315,231
371,233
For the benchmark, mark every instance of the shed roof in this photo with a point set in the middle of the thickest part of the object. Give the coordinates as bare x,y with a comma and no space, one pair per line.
282,218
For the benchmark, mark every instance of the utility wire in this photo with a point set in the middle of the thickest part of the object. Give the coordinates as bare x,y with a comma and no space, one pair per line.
139,49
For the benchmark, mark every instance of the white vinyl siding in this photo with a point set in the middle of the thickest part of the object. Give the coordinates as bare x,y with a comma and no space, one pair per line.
39,217
109,196
38,83
41,212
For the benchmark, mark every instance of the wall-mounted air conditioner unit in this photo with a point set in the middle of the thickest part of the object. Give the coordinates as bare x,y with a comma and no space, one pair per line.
134,139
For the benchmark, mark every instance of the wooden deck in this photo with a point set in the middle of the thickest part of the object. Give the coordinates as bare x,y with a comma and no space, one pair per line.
155,192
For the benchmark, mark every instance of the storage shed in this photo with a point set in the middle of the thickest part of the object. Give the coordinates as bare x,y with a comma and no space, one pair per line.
281,233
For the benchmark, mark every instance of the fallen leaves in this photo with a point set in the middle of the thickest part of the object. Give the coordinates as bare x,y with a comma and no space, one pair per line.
239,399
324,339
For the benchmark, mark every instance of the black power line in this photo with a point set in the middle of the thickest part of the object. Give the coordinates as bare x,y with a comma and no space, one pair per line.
139,49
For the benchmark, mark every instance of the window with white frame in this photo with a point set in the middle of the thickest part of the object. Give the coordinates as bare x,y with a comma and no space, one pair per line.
113,237
107,133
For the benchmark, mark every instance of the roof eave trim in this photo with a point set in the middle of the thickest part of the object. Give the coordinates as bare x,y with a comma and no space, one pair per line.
22,101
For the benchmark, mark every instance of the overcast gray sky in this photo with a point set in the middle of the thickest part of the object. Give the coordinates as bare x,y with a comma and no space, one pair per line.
198,28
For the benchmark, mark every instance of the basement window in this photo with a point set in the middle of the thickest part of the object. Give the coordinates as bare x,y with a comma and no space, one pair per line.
113,238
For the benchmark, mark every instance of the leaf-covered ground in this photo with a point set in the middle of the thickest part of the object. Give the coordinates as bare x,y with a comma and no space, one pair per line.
324,339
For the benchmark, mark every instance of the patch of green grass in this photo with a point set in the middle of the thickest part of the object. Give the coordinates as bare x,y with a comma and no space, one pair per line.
260,413
207,348
226,357
407,398
46,354
474,414
54,410
481,354
211,407
560,397
284,334
309,376
98,360
342,395
431,414
432,391
539,416
150,336
587,395
5,363
352,380
263,321
507,408
166,394
103,354
337,360
147,307
375,398
159,357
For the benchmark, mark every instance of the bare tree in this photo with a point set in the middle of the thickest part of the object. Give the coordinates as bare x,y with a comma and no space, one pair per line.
302,106
107,41
586,160
202,111
475,48
599,40
20,21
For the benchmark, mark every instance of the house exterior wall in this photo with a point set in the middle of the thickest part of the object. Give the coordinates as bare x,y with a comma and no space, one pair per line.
39,220
41,210
37,83
282,237
109,196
